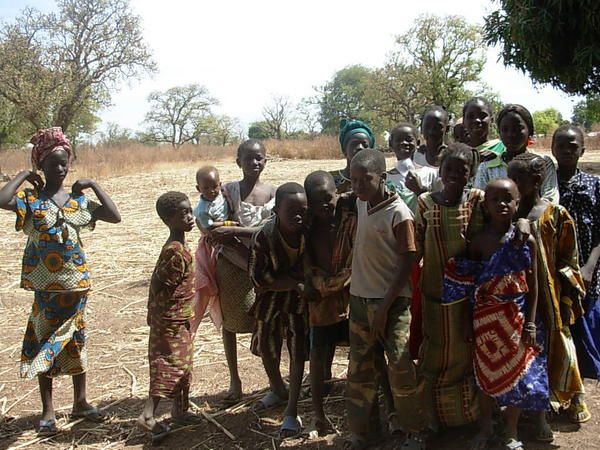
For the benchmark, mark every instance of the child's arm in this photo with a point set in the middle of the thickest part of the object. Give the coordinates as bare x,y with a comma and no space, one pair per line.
529,330
107,211
405,241
8,191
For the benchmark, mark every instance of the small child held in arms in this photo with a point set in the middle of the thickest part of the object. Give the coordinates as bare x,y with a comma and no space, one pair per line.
55,269
580,195
170,314
212,211
380,307
275,267
327,268
499,279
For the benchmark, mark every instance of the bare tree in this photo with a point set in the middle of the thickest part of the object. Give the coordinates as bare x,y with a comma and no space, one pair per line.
278,116
175,114
55,67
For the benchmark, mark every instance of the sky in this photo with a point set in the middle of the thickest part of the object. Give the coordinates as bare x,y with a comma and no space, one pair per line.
246,51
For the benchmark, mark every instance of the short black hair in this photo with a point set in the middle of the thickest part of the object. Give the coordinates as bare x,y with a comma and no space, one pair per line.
477,99
521,111
317,179
167,204
287,189
402,125
205,170
250,144
529,163
435,108
490,183
371,159
459,150
569,127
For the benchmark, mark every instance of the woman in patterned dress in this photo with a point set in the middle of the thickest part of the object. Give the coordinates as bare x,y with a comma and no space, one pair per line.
55,268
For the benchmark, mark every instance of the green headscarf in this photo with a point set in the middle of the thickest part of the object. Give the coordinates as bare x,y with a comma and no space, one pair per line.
351,127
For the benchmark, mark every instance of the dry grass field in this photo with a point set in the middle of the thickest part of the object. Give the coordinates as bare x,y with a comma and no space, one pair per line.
121,258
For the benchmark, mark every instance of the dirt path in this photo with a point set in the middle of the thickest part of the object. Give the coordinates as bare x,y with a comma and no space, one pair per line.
122,257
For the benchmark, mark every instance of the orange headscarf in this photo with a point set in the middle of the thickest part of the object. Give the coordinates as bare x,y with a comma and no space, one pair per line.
47,141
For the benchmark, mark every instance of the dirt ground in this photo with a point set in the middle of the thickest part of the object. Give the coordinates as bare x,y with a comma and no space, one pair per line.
122,258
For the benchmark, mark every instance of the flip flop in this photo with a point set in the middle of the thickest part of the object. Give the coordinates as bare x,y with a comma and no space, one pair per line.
270,400
513,444
231,399
578,413
290,427
92,414
47,428
158,435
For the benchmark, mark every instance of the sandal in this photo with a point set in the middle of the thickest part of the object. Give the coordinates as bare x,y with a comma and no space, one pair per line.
270,400
160,432
92,414
579,412
513,444
47,428
290,427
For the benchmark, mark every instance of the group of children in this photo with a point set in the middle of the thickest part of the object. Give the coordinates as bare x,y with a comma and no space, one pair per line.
465,279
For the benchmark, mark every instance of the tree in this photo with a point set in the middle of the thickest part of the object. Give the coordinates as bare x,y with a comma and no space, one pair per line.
556,42
278,117
218,130
115,135
442,55
587,112
307,112
13,129
344,96
60,67
259,130
546,121
175,114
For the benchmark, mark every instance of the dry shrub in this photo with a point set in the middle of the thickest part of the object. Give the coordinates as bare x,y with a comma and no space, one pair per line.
592,143
320,147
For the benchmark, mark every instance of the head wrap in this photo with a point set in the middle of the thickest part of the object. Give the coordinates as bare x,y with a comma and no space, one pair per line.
521,111
47,141
351,127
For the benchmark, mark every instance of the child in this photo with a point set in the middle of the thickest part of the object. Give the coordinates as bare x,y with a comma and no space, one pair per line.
560,284
500,279
434,126
275,267
212,211
443,221
405,178
477,118
251,204
379,306
170,313
580,195
328,260
460,133
55,268
355,135
515,125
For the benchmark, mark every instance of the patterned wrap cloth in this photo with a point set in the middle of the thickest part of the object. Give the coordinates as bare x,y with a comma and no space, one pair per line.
170,314
47,141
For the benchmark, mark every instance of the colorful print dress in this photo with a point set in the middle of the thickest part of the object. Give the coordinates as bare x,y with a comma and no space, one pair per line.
505,369
55,267
170,315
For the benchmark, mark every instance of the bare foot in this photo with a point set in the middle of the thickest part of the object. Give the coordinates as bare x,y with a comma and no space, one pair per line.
234,394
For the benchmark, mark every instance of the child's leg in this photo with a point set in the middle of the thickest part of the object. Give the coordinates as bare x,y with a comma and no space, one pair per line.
512,420
318,356
296,342
385,386
235,383
486,425
80,393
147,418
45,384
270,342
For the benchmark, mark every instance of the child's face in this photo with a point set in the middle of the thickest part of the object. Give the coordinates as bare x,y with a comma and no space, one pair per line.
56,166
356,143
321,202
434,127
527,184
252,161
477,119
455,173
403,142
365,184
567,148
514,132
501,200
182,219
209,185
292,213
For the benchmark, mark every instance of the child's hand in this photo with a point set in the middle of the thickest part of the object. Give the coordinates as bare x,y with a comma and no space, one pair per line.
35,179
79,186
413,182
379,323
222,235
529,335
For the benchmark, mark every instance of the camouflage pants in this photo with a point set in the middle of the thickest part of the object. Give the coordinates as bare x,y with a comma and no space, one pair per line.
362,403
